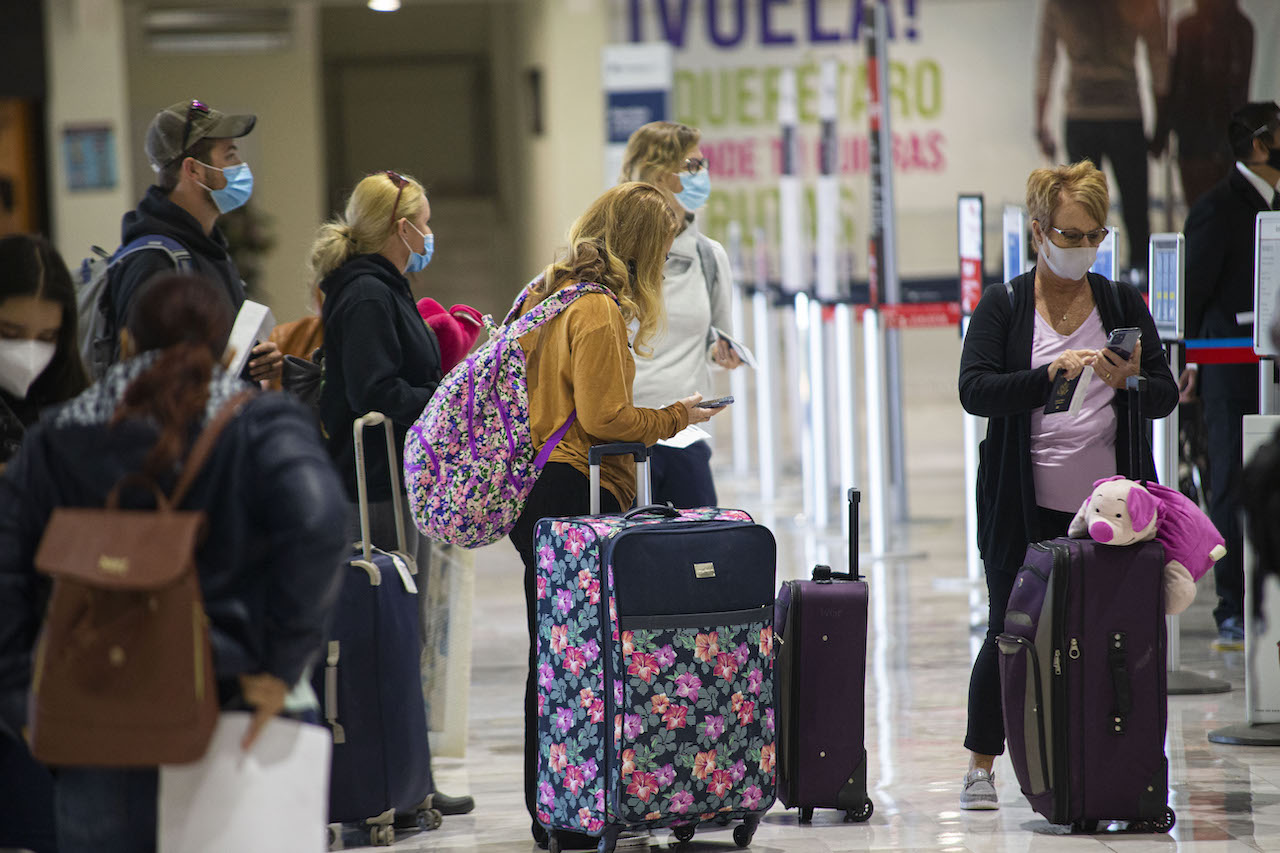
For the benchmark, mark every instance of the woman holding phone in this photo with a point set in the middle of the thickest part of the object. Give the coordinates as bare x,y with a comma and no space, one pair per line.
1036,468
696,279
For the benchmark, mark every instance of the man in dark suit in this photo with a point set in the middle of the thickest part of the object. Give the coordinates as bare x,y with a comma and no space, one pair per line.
1220,241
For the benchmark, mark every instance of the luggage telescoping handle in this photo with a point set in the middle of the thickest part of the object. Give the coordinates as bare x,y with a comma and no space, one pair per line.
634,449
823,574
362,487
1135,386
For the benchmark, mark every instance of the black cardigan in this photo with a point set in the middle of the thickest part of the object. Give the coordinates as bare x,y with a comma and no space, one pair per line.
997,382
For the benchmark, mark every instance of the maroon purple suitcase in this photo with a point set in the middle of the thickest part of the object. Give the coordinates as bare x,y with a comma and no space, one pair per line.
822,674
1083,681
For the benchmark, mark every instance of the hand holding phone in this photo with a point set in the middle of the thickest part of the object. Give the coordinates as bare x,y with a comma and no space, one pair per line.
1122,341
716,404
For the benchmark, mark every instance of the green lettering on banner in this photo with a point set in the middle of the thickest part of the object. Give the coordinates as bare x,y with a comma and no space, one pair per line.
772,74
683,87
928,88
807,92
745,96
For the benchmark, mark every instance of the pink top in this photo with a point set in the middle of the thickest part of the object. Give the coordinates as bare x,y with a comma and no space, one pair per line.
1069,453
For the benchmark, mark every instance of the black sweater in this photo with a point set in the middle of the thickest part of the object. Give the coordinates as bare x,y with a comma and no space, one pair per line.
997,382
379,356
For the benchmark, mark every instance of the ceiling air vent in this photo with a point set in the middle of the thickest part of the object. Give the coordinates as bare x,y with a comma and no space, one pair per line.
204,30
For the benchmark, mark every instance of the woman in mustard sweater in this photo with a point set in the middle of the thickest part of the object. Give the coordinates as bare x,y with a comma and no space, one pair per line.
582,360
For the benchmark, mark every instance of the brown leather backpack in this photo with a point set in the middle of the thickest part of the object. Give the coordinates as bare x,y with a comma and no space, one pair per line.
123,673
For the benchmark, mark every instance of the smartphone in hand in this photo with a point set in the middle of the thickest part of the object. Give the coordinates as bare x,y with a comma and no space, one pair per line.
715,404
1123,341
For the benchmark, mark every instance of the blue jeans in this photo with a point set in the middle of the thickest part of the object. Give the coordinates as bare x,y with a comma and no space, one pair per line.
106,810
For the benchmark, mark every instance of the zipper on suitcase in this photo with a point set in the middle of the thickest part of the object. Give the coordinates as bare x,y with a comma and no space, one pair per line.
1062,781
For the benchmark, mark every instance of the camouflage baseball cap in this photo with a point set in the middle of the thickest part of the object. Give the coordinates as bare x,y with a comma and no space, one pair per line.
175,129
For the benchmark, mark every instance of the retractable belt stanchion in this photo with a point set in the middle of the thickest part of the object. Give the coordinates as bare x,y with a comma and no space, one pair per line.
1262,674
880,252
971,241
794,286
1166,266
739,412
762,337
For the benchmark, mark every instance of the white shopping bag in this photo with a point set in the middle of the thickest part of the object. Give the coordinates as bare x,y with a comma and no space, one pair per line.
273,797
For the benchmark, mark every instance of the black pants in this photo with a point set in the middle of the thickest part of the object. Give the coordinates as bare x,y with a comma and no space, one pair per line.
1124,144
682,475
1223,418
985,734
561,490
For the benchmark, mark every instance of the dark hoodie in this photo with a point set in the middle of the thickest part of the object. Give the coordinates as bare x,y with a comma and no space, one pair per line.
379,356
157,214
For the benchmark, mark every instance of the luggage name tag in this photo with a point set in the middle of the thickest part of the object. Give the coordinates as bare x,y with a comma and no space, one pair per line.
405,577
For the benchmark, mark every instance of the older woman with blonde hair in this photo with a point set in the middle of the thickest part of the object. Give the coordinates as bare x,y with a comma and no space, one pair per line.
1036,468
695,289
580,361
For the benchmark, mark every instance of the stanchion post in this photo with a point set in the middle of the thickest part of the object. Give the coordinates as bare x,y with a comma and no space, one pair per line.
740,412
971,239
762,330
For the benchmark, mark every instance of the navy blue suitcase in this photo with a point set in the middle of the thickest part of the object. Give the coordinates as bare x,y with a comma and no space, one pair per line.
370,684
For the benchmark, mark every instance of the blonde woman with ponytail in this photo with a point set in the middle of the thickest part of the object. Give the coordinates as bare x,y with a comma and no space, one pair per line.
378,354
581,362
696,280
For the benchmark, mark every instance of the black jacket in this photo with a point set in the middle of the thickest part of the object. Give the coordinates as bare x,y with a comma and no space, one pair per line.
1220,237
997,382
156,214
270,564
15,416
379,356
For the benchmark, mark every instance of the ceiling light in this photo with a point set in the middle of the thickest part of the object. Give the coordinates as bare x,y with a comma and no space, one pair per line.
384,5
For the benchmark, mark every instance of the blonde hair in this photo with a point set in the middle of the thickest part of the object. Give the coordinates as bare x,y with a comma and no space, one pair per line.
1081,182
659,146
366,224
620,242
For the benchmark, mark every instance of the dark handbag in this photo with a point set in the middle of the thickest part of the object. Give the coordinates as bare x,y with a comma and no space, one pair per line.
123,673
304,377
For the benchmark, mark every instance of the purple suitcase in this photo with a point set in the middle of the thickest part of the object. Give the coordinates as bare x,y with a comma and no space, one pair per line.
655,670
822,672
1082,675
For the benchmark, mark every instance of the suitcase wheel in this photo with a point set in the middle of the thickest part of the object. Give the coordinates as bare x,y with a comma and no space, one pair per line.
742,834
382,835
553,845
806,815
860,815
1159,825
1085,826
430,819
684,834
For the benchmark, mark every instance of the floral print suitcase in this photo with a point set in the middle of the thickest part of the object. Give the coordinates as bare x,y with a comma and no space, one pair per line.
655,672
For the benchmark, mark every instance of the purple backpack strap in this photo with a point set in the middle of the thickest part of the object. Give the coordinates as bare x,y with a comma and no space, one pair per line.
553,305
545,453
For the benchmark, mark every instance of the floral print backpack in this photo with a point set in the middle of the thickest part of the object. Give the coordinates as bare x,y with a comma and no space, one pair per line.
469,460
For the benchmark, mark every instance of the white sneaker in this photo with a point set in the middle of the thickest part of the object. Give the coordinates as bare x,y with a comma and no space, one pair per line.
979,790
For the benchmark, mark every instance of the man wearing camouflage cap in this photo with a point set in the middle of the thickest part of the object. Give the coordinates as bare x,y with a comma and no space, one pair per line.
199,177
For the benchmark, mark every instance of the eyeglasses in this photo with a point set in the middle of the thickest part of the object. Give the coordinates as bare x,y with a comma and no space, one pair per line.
694,165
400,183
196,108
1075,238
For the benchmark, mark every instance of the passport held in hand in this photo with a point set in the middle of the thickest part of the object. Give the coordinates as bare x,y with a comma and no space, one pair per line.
1067,395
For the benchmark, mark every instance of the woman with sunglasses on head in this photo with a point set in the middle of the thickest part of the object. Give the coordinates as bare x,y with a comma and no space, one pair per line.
695,295
1037,468
378,354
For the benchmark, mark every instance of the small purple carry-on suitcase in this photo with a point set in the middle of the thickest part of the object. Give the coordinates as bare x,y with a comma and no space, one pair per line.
821,625
655,669
1083,680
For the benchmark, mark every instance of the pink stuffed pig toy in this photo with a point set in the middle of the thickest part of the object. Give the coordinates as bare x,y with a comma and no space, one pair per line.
1122,512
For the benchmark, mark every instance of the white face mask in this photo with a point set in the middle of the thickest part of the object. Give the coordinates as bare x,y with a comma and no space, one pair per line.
22,362
1071,264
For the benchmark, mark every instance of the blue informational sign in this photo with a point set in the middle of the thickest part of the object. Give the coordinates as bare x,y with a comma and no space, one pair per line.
1105,263
1014,228
1164,285
89,156
628,111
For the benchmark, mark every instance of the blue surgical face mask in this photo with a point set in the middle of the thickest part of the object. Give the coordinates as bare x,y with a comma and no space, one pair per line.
238,189
418,260
695,189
